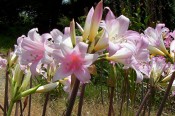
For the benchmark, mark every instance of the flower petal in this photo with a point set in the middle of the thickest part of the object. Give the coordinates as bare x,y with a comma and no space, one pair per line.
58,56
83,75
110,15
88,24
81,47
113,48
96,18
123,24
55,33
62,72
89,59
34,68
65,49
102,42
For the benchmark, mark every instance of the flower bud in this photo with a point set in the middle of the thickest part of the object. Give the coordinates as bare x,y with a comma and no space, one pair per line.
17,75
47,87
25,82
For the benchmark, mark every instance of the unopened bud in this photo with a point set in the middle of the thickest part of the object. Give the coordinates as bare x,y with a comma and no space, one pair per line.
47,87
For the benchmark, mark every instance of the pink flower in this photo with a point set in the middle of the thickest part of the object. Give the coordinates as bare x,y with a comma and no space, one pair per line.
155,38
92,22
115,27
74,61
3,62
158,66
31,49
59,37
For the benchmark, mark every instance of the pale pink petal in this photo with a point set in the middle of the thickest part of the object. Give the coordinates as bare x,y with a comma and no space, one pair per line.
123,24
46,36
152,36
113,48
33,68
80,28
83,75
20,39
3,62
159,27
110,15
46,58
55,33
65,49
33,35
173,34
81,47
172,49
29,45
67,31
62,72
129,46
139,76
96,18
49,48
89,59
102,43
103,25
123,53
28,57
88,24
67,41
58,56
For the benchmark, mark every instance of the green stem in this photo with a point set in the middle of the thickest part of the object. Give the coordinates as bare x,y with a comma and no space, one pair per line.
10,108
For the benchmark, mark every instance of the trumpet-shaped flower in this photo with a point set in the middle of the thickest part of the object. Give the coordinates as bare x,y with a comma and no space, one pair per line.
95,21
155,37
92,22
74,61
115,28
31,49
158,66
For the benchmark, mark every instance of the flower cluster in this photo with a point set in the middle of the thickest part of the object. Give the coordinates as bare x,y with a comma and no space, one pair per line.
72,55
63,57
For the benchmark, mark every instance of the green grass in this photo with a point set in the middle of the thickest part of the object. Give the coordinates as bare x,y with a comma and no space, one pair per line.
6,43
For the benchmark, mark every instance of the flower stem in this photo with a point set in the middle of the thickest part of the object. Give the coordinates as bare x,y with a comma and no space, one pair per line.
81,99
10,108
6,92
1,108
166,94
143,101
111,101
72,97
30,98
17,107
45,104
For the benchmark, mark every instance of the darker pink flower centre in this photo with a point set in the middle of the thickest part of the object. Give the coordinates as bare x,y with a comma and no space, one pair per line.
74,62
